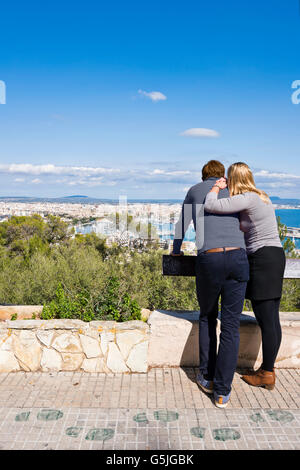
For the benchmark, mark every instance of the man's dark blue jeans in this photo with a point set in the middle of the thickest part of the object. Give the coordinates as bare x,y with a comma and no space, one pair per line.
222,274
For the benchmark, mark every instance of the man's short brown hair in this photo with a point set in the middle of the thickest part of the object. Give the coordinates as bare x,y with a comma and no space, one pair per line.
213,169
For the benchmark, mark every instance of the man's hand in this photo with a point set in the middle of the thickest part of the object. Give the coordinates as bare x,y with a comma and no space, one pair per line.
177,254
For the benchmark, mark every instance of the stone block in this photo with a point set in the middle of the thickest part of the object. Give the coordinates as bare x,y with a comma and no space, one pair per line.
95,364
115,361
6,341
72,361
27,349
22,324
106,337
137,360
45,337
8,362
51,360
126,339
103,325
90,346
67,343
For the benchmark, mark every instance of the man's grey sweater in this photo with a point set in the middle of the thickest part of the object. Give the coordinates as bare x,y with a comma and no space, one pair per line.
212,230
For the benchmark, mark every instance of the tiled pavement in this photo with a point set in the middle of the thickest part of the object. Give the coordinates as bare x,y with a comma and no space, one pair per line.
161,410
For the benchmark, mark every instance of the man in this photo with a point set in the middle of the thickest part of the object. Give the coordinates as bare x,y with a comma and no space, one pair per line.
222,271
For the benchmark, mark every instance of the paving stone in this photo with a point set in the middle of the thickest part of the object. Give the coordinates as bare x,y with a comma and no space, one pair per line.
71,410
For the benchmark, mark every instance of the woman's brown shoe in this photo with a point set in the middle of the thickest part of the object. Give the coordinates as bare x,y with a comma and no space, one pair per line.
254,372
262,378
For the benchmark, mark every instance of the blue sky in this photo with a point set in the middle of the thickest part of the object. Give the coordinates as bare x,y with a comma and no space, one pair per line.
81,117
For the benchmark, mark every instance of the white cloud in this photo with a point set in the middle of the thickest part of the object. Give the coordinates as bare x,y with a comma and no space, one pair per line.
153,95
278,183
148,176
200,132
179,172
268,174
90,182
282,185
51,169
58,174
158,171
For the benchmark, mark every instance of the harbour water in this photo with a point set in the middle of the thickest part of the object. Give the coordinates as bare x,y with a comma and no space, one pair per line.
289,217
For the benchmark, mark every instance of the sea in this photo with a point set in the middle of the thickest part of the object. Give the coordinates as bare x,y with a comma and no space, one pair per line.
290,218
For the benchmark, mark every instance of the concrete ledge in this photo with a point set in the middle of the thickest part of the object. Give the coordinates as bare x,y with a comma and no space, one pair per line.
21,311
174,340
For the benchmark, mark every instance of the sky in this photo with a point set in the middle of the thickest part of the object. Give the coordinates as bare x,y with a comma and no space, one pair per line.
107,99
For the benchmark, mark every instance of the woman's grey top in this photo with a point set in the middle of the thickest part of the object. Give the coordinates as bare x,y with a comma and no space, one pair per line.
257,218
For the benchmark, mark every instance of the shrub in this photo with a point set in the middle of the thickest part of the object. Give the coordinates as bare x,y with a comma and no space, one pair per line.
109,305
64,306
114,305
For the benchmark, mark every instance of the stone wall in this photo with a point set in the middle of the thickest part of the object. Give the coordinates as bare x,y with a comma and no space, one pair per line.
67,345
167,339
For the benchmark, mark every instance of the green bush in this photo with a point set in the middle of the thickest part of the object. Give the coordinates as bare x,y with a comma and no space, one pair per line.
114,305
110,305
64,306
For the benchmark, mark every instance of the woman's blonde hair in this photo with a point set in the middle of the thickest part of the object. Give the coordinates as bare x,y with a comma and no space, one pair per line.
240,180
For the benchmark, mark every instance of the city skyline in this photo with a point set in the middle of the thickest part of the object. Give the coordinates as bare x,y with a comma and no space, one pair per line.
134,99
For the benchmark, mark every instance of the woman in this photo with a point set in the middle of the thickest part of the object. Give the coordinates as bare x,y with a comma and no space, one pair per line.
266,259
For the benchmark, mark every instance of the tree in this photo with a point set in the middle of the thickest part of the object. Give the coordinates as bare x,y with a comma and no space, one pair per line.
91,239
56,230
287,244
23,235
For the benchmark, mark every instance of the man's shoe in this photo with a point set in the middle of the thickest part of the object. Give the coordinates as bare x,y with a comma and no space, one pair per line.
205,385
221,401
263,378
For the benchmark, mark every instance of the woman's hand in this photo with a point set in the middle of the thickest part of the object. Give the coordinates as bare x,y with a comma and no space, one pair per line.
221,183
